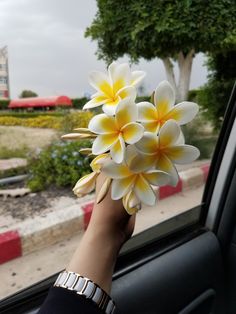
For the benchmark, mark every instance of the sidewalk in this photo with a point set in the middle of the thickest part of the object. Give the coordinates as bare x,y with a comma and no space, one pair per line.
72,217
12,163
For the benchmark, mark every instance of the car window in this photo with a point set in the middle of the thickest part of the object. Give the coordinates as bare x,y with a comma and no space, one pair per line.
43,86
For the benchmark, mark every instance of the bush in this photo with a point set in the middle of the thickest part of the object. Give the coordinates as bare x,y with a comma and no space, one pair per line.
34,114
78,103
199,133
4,104
78,119
192,95
38,122
60,164
65,123
215,94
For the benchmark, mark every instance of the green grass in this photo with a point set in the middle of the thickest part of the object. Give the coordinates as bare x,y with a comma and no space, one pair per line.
6,153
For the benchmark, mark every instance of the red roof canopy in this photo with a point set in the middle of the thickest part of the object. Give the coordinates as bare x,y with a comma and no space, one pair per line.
40,102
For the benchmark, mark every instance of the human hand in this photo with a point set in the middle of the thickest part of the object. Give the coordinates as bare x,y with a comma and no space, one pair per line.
110,219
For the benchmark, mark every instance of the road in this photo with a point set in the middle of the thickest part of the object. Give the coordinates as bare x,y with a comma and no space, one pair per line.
26,270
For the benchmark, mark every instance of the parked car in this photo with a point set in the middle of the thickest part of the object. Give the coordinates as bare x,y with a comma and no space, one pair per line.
184,265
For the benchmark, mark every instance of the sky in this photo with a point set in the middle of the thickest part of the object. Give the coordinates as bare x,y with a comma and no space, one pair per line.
49,54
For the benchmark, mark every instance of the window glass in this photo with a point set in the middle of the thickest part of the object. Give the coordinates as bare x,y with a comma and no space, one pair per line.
2,66
41,220
3,80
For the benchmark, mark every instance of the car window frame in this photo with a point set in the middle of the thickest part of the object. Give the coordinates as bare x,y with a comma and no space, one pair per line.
155,241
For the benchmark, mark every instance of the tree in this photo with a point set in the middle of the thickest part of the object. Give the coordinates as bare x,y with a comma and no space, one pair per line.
168,29
214,95
27,94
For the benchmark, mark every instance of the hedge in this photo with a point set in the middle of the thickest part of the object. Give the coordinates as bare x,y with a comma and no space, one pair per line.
78,103
66,123
4,104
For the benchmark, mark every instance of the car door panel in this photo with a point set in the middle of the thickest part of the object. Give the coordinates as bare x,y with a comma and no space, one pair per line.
179,281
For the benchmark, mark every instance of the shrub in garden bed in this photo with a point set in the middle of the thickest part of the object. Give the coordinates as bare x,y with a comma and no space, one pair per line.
34,114
38,122
60,164
65,123
76,119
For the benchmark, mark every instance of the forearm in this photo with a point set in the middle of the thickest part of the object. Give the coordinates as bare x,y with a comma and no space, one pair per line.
95,258
110,226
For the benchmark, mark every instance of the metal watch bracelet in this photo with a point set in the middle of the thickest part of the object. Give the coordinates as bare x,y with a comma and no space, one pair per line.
87,288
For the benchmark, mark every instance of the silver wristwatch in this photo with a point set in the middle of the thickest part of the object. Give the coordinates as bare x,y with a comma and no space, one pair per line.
87,288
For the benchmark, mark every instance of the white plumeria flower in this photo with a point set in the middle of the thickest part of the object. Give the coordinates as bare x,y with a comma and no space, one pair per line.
131,203
138,181
154,116
114,132
87,183
118,84
163,150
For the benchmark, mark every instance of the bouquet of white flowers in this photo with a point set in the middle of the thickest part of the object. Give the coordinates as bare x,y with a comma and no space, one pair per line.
135,144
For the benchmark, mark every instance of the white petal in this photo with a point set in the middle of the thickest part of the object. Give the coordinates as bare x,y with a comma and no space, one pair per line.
148,144
85,185
132,132
156,177
183,154
103,143
181,139
169,133
103,191
127,92
118,150
131,152
120,75
183,112
137,77
126,112
131,203
144,191
164,164
110,107
164,98
100,81
98,162
77,136
102,124
120,187
116,171
142,163
92,104
146,112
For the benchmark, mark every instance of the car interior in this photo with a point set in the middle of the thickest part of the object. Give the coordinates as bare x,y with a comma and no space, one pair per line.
184,265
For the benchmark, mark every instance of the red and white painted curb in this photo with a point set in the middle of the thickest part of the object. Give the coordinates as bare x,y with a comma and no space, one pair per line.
38,232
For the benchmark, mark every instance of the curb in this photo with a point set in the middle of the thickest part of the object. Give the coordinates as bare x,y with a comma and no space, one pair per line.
42,231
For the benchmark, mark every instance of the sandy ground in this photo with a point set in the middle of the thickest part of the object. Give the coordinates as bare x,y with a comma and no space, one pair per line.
17,137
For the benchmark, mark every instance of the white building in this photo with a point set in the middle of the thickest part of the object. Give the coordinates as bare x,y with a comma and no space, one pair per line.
4,76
